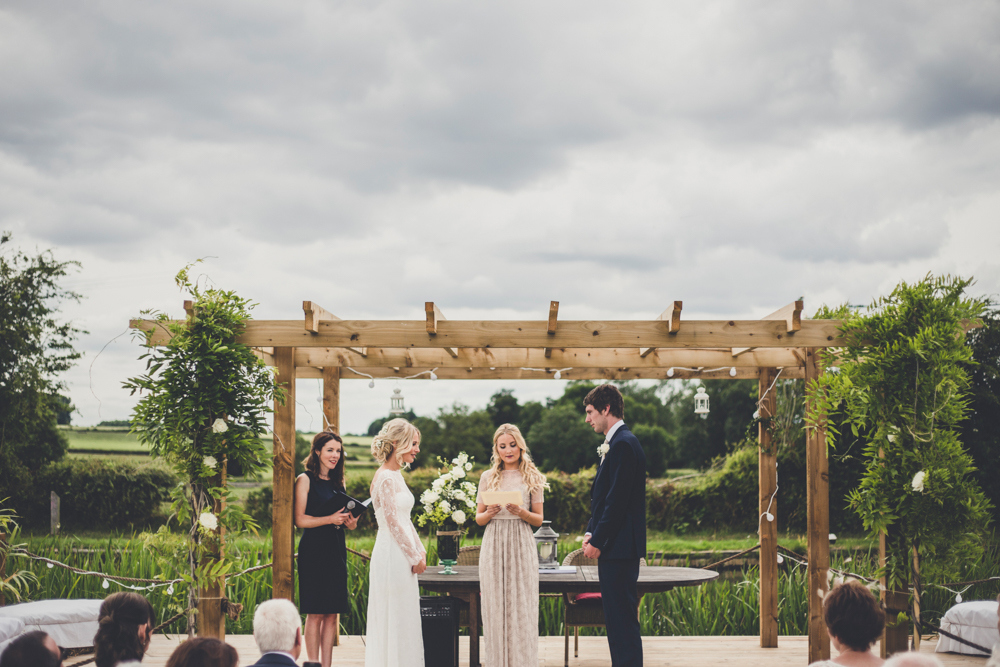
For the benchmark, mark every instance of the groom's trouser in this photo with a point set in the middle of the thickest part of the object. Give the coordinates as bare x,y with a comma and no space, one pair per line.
621,605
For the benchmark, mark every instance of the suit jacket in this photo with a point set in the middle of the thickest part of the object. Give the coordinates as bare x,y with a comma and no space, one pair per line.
618,499
274,660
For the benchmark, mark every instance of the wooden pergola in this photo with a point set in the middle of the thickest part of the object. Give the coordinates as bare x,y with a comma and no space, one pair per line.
324,346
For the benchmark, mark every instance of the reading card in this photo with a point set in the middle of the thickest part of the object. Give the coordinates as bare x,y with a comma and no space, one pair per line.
502,498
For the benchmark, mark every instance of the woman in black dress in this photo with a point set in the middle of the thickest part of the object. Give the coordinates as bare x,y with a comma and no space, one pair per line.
322,549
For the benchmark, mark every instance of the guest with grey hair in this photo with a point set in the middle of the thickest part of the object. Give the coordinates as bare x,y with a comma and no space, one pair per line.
277,629
913,659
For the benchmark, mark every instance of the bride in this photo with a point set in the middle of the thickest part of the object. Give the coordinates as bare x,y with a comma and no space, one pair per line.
394,632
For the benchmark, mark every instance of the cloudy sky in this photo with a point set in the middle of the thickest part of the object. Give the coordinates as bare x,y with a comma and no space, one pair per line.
491,157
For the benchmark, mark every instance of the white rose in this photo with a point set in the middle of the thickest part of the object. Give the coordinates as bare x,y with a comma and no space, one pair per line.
431,497
458,516
458,472
437,484
208,521
918,481
461,459
209,461
603,449
468,466
219,426
445,506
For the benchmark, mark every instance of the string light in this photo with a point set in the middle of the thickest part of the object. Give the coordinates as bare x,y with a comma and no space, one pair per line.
670,372
732,371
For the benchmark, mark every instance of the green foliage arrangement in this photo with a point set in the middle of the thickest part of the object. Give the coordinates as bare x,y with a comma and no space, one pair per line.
15,585
903,384
204,399
35,347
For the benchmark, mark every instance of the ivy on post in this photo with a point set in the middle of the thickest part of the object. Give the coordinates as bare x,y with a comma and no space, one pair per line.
203,407
900,386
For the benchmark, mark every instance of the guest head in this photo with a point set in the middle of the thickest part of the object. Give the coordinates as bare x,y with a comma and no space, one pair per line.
913,659
604,405
204,652
853,617
509,447
327,452
277,626
32,649
398,440
125,627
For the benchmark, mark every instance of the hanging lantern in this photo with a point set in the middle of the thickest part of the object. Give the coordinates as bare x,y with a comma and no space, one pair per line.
397,403
546,540
701,402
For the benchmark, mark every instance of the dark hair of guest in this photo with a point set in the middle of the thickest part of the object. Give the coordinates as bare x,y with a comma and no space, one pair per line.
204,652
311,462
118,622
853,616
29,650
606,396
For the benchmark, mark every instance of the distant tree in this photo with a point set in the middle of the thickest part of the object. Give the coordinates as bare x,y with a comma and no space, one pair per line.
377,425
64,409
700,441
561,440
34,349
658,446
531,413
573,395
463,430
116,423
430,436
503,408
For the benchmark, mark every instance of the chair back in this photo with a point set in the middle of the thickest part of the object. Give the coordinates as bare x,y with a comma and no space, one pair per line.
469,555
577,558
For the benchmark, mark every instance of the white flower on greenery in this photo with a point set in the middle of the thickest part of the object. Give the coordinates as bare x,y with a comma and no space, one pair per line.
458,472
468,466
208,521
918,481
458,516
437,484
459,495
219,426
430,497
603,449
445,506
461,459
891,437
210,462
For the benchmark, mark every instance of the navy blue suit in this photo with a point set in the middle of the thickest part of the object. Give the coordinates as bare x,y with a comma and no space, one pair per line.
274,660
618,528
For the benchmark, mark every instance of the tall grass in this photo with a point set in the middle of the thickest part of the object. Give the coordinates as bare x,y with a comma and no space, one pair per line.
727,606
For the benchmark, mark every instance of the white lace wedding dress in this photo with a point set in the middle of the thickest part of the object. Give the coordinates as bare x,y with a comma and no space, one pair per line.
394,637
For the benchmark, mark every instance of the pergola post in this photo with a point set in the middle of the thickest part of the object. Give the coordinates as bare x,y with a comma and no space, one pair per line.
211,620
768,503
818,521
331,418
282,533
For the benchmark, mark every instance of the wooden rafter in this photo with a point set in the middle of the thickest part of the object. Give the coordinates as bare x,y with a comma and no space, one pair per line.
553,320
458,373
434,316
791,314
672,316
315,314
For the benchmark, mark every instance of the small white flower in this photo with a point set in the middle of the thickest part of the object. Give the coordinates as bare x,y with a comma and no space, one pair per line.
468,466
891,437
437,484
219,426
458,516
461,459
430,497
208,521
458,472
445,507
918,481
603,449
210,462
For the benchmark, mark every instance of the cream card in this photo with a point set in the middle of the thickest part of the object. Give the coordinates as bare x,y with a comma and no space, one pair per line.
502,498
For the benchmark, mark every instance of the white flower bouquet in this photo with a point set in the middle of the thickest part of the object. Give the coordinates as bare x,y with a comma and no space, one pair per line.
451,500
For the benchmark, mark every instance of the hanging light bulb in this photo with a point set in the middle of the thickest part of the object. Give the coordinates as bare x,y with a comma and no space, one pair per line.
781,559
558,375
371,383
768,516
732,371
170,589
50,565
958,598
105,584
670,372
434,375
756,414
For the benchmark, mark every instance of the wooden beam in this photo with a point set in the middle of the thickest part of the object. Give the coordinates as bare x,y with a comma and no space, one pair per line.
379,357
672,316
189,308
331,398
283,480
553,318
315,314
791,314
265,354
767,503
434,316
452,373
817,521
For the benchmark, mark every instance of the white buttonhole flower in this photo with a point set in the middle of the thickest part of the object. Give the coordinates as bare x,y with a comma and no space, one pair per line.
219,426
603,449
918,481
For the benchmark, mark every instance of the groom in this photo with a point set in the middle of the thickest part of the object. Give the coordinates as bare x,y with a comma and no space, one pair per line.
616,534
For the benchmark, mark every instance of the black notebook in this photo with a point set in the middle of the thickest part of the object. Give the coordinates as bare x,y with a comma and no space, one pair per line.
341,500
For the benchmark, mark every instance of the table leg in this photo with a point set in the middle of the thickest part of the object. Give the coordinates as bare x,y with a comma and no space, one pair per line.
474,630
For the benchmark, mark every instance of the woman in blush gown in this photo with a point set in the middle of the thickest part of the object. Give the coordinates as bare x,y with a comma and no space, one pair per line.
394,636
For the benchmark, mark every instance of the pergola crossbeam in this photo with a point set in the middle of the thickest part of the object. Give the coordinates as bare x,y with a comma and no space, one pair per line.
602,373
791,314
434,316
672,316
314,314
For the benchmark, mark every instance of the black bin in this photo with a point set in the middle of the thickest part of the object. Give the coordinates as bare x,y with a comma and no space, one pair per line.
439,619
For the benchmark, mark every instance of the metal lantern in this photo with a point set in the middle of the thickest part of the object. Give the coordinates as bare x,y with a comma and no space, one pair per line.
546,540
701,402
397,403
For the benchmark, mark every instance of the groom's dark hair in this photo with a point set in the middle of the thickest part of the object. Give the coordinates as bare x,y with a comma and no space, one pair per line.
606,396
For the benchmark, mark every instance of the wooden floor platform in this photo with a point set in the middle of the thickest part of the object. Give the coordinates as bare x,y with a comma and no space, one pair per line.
667,651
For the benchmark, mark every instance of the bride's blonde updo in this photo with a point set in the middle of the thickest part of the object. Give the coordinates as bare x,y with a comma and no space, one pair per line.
394,439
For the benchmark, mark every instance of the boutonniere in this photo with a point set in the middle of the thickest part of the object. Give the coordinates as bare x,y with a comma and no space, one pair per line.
603,449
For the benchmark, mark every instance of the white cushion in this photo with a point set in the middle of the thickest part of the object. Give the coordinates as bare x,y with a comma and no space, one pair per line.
973,621
10,629
71,623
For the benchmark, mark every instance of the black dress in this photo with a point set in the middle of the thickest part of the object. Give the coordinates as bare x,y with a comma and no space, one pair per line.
322,558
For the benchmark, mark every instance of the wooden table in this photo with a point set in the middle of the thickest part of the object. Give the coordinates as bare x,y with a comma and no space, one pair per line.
465,585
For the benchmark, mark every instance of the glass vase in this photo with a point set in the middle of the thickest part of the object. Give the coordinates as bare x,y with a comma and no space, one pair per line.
448,544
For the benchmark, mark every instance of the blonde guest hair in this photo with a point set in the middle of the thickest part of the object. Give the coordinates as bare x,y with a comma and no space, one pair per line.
534,480
394,439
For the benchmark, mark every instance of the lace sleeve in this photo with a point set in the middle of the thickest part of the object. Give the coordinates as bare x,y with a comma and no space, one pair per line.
400,527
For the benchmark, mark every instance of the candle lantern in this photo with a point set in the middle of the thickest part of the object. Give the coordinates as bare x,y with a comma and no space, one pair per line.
701,402
546,540
397,403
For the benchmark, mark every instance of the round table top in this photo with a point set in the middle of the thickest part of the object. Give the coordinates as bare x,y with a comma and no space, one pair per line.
584,579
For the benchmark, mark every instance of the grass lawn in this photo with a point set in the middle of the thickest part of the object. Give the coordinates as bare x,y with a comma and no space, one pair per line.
103,440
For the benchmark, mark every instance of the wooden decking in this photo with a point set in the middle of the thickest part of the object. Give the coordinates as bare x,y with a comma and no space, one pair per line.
668,651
